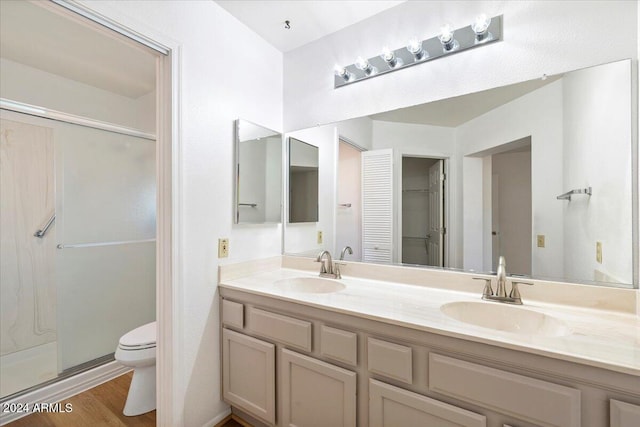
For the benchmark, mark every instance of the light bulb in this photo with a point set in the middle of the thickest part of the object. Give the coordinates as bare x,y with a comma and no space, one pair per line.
446,38
362,64
390,58
387,54
342,72
481,24
414,46
480,27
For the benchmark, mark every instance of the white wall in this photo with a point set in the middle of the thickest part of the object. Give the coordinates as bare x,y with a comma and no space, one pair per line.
26,84
211,97
597,131
428,141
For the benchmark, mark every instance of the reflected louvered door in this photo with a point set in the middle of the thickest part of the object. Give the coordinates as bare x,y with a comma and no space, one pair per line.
377,206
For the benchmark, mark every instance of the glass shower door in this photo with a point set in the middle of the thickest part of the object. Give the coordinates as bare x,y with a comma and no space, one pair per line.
105,256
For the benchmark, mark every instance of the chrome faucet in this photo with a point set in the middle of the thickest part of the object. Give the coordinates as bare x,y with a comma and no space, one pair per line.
326,266
501,292
345,249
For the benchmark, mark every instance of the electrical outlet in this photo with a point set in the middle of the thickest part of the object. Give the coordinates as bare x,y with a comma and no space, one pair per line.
223,248
319,237
599,252
541,240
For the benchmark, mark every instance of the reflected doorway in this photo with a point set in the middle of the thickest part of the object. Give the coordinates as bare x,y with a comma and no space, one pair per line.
511,221
423,196
349,198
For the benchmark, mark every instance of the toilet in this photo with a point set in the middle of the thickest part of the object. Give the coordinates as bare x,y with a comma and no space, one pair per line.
137,349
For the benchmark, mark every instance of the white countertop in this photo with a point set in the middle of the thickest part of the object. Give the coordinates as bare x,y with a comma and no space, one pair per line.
600,338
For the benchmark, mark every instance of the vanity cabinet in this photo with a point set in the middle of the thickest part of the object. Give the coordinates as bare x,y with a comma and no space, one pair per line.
289,364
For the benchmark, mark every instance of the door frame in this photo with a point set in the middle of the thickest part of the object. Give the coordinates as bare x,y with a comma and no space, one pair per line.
169,216
448,250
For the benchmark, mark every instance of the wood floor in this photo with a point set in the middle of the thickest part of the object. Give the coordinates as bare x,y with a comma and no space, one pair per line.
98,407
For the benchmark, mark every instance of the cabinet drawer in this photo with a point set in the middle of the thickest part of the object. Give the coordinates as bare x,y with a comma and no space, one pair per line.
284,329
339,345
529,399
391,406
232,314
389,359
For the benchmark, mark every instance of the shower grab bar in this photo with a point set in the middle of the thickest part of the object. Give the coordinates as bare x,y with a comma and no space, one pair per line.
95,244
567,195
40,233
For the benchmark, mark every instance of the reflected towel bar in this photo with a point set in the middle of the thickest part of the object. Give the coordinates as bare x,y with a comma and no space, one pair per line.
253,205
41,232
94,244
567,195
344,205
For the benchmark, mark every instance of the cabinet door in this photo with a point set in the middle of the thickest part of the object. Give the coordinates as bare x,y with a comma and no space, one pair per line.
391,406
315,393
248,374
624,414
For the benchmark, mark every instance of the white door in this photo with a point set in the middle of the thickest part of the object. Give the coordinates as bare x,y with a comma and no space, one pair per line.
348,212
377,206
435,236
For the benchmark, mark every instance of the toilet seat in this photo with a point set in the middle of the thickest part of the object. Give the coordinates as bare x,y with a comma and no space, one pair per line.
141,338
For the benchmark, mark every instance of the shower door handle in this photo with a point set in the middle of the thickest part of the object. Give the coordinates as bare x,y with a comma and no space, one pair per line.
41,232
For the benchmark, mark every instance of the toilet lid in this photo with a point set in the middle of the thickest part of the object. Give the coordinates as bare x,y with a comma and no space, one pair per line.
145,335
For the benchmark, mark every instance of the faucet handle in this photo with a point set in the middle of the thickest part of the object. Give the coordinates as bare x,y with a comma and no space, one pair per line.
515,293
336,268
487,291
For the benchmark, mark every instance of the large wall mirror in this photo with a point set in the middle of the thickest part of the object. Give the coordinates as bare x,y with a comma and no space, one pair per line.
258,154
539,172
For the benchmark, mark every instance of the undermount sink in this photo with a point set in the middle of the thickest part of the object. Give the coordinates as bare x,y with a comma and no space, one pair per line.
506,318
311,285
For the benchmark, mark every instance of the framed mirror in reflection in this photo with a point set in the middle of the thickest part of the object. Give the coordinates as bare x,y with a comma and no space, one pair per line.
539,172
303,181
258,166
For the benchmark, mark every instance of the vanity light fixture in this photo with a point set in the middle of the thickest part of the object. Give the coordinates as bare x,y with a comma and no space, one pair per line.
481,32
446,38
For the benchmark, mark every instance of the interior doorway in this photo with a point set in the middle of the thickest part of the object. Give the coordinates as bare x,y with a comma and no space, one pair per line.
423,201
349,198
511,221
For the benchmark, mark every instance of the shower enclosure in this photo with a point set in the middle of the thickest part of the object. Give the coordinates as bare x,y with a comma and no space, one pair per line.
77,252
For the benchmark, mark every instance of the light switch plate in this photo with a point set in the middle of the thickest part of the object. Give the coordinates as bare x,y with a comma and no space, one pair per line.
599,252
541,240
223,248
319,237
